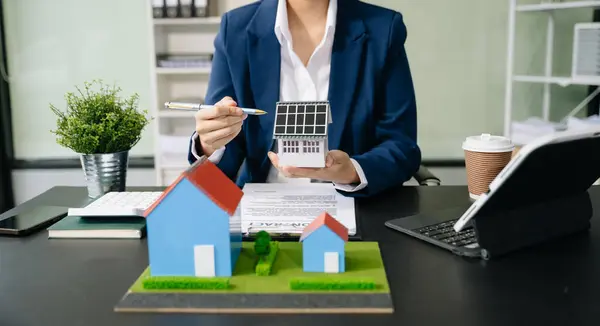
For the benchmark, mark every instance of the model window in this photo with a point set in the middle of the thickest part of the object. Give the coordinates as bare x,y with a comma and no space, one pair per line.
291,146
311,147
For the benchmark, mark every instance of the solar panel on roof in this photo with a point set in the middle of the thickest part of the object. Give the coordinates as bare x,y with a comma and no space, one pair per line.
301,119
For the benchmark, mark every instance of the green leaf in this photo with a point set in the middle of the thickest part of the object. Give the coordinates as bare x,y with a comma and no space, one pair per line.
98,120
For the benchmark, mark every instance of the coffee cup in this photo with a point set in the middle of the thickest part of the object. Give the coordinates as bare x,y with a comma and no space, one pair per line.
485,156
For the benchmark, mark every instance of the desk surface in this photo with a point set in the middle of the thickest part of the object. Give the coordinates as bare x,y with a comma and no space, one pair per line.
78,282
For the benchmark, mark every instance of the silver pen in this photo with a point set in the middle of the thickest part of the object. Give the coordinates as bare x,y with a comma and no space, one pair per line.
197,106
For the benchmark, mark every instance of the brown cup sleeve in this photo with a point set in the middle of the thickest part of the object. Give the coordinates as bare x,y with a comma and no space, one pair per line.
482,168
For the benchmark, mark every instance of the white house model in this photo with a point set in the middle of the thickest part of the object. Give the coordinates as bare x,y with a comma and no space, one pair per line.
301,133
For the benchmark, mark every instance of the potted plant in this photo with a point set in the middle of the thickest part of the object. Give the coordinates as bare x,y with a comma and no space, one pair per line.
102,127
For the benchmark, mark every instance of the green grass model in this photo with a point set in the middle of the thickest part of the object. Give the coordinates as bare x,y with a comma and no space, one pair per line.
279,270
264,265
186,282
332,283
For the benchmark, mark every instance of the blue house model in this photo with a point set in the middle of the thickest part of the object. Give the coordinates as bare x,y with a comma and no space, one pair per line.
323,245
193,228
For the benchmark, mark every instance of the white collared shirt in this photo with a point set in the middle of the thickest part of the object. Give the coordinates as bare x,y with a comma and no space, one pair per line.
302,83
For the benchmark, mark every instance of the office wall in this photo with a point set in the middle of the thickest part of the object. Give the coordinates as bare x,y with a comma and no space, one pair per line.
54,46
457,51
30,183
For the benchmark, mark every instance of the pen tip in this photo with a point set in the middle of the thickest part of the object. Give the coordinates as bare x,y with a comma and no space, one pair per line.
261,112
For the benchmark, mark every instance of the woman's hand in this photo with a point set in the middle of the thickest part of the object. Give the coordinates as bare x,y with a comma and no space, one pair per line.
217,126
338,169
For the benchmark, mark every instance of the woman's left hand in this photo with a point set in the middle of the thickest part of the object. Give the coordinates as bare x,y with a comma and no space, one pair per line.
338,169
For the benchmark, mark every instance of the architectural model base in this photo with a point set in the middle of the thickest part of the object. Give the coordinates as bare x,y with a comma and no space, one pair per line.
341,303
252,294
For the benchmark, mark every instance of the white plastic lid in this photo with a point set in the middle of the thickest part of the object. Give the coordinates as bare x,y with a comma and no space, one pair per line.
488,143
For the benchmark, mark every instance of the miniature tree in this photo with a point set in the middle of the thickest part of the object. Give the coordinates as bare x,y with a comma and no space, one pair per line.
262,244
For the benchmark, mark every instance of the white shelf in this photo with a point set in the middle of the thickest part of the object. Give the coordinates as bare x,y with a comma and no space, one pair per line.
547,78
183,71
188,21
562,81
175,114
190,35
559,5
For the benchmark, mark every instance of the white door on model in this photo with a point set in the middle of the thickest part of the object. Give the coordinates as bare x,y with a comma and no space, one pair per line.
332,262
204,260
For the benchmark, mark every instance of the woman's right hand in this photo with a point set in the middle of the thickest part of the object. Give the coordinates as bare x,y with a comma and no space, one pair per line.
217,126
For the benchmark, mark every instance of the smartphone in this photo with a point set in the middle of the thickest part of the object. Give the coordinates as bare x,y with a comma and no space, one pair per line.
31,220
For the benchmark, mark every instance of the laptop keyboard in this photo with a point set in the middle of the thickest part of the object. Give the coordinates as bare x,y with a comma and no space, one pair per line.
445,232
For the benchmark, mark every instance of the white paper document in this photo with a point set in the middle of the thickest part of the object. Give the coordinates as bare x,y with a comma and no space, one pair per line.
289,208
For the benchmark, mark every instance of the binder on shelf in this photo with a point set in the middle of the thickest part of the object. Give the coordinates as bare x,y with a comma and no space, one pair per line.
185,8
200,8
172,8
586,53
158,8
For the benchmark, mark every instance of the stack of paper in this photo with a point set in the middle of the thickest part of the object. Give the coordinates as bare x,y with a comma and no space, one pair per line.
281,208
576,123
523,132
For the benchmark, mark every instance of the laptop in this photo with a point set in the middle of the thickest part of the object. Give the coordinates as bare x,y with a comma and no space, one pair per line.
542,194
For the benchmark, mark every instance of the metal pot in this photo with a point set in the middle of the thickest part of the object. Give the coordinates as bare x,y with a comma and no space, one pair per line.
105,172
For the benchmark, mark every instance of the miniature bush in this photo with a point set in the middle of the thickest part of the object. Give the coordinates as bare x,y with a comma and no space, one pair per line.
265,264
262,244
327,284
185,283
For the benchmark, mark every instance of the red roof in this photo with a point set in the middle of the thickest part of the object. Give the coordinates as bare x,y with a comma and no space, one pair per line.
326,220
212,182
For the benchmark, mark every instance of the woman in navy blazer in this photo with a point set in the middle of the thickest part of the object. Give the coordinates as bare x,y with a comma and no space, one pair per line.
373,136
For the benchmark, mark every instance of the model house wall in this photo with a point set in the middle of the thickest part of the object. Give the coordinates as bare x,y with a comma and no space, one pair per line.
187,218
319,246
235,236
194,229
305,153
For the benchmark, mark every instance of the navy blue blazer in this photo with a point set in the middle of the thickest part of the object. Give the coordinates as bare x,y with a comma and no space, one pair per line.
371,92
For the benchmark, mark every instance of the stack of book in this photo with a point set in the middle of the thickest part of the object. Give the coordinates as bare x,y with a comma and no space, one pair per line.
99,228
203,60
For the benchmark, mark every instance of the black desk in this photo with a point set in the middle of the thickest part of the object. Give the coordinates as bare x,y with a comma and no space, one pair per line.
77,282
